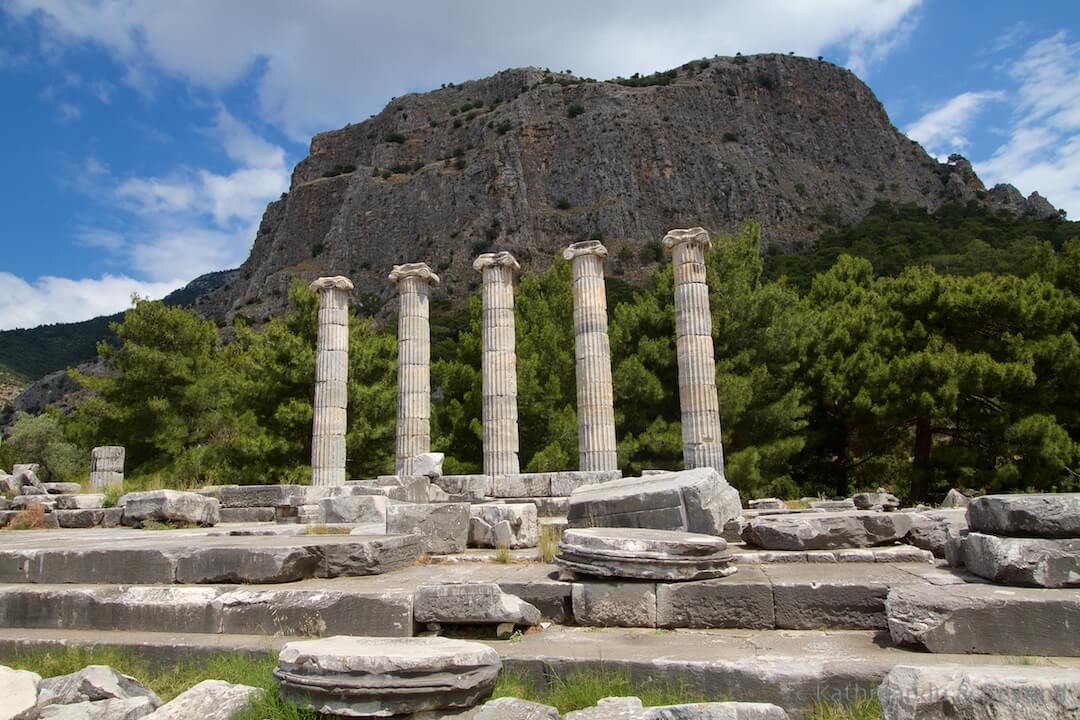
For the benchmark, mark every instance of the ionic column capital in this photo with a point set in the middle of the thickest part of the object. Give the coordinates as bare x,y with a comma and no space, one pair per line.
585,247
419,270
496,259
337,282
694,236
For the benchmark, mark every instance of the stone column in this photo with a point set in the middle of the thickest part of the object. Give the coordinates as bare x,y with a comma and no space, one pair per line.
499,363
697,365
331,389
414,280
597,449
107,466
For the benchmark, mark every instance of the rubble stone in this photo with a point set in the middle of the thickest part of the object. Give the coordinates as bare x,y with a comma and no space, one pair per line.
521,520
827,530
209,700
471,604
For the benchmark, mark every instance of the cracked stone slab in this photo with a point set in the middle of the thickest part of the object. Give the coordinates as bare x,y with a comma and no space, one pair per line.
1048,516
826,530
1033,562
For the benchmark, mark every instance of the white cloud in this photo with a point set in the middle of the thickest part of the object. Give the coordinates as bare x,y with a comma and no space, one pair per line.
945,129
55,299
1043,150
69,112
320,64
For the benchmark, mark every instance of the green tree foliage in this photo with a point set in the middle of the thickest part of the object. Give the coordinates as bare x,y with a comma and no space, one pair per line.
40,439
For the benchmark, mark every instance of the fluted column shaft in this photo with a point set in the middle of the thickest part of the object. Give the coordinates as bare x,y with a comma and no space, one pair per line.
499,364
414,282
597,448
702,446
331,376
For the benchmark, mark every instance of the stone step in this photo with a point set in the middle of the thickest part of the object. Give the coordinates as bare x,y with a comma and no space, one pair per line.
207,609
792,669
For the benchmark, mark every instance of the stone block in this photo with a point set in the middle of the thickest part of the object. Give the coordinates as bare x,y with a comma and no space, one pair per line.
955,499
90,501
246,564
169,506
467,488
126,709
247,496
832,505
18,693
365,677
856,602
644,554
930,530
61,488
100,517
94,682
975,618
510,708
523,485
1047,516
614,604
1034,562
443,529
106,478
767,504
520,518
742,601
8,483
428,464
564,483
551,597
21,502
365,509
698,501
247,514
954,692
879,500
471,604
826,530
209,700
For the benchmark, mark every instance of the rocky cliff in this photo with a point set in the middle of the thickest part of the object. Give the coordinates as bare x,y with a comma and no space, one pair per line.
530,161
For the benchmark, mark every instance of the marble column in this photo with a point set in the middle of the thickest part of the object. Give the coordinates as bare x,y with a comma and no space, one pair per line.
499,363
107,466
597,449
414,281
697,365
331,389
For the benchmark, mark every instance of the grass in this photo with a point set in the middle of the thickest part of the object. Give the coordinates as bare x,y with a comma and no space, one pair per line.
576,690
319,529
550,537
29,518
152,524
502,555
112,495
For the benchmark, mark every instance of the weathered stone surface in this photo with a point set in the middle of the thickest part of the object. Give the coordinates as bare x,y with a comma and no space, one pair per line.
209,700
8,483
832,505
466,488
955,499
522,485
94,682
974,618
551,597
471,604
979,693
698,501
855,601
566,482
644,554
32,490
879,500
103,517
247,514
443,529
246,496
930,530
614,604
354,509
125,709
1048,516
767,504
90,501
428,464
743,601
1035,562
20,502
61,488
381,677
508,708
827,530
169,505
18,693
521,519
632,709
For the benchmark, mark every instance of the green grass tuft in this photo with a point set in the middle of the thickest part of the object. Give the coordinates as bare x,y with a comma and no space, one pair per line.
862,710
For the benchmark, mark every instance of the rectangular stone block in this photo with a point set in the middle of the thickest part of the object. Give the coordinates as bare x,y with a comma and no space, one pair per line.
1034,562
564,483
251,496
552,598
614,604
443,529
247,514
744,600
524,485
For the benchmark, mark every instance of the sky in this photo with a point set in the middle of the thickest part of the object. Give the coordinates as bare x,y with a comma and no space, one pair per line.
143,139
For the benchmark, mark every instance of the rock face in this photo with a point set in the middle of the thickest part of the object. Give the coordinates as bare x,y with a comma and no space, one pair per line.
978,693
697,501
644,554
471,604
209,700
18,693
1036,562
826,530
1047,516
769,136
974,618
382,677
169,506
92,683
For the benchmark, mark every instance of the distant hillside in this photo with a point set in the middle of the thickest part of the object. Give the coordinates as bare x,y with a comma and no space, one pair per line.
29,354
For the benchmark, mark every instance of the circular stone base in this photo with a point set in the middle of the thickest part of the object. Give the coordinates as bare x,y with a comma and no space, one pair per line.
644,554
384,677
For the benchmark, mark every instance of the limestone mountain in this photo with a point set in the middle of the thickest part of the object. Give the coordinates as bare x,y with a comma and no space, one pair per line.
530,161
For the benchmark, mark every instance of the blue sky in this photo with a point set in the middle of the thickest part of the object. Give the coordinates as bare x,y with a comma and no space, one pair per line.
143,139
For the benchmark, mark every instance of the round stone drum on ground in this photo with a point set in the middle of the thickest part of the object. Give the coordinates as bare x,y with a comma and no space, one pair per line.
382,677
645,554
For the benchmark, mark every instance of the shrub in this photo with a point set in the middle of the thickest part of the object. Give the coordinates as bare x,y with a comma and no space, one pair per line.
317,249
731,137
563,203
457,122
766,81
574,110
459,164
395,137
504,127
651,252
29,518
